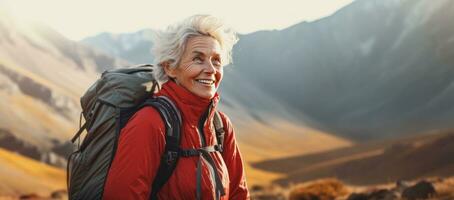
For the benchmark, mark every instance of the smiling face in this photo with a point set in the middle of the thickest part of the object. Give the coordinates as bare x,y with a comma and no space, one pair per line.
200,69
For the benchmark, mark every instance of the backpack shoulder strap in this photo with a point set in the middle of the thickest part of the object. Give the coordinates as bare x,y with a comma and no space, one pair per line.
219,129
172,120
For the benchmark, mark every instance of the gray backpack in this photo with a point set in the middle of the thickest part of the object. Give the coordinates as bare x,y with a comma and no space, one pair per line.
106,107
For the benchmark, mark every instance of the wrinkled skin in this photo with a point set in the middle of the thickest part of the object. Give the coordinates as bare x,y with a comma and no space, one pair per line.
200,69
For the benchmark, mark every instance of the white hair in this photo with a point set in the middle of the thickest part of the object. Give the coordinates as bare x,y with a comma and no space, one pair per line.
169,44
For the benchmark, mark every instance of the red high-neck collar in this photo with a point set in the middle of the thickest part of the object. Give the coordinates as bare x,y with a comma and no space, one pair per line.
191,106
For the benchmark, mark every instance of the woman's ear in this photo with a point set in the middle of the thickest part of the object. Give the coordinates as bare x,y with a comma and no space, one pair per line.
168,70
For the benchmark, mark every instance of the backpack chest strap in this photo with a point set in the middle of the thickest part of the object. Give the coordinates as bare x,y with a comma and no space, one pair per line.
204,153
197,152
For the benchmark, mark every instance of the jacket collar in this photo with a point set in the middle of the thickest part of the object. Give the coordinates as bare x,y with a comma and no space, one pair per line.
191,106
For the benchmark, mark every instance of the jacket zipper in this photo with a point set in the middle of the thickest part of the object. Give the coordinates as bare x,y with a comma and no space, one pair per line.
201,126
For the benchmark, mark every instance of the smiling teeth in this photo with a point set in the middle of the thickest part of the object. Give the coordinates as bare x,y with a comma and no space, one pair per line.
209,82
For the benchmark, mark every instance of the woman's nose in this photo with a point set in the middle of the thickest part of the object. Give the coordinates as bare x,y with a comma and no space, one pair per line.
209,67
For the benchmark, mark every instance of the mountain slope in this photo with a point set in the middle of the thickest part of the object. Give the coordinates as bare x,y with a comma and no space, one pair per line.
134,47
25,176
372,69
42,76
378,162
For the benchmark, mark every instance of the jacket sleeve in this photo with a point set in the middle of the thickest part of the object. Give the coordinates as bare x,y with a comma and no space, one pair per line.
136,160
233,160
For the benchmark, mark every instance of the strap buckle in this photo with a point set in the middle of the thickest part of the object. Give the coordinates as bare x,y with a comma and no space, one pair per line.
171,157
218,148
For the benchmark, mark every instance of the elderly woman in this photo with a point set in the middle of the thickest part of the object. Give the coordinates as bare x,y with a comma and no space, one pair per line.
190,56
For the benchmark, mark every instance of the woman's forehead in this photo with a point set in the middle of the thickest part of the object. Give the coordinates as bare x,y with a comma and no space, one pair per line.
203,45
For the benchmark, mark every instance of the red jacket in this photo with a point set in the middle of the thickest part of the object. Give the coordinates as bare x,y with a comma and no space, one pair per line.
142,142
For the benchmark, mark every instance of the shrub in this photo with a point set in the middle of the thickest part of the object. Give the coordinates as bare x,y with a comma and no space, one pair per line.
325,189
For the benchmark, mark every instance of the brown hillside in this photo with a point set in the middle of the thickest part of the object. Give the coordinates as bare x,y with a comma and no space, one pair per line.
373,163
24,175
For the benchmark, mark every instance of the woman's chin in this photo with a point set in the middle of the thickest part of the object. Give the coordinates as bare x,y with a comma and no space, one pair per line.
205,94
204,91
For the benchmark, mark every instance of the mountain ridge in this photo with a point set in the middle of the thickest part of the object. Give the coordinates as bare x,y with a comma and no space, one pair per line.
372,69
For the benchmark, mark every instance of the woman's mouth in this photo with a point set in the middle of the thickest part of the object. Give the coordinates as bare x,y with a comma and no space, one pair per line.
207,82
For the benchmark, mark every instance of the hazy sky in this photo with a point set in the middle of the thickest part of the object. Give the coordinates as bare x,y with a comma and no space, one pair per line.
77,19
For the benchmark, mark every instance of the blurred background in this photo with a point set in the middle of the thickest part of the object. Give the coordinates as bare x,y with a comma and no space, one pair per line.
333,98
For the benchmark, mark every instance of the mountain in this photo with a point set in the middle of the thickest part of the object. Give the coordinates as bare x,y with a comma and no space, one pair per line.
373,69
42,76
134,47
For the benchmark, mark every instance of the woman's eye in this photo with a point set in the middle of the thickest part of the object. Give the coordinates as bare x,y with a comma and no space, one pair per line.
216,62
198,59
